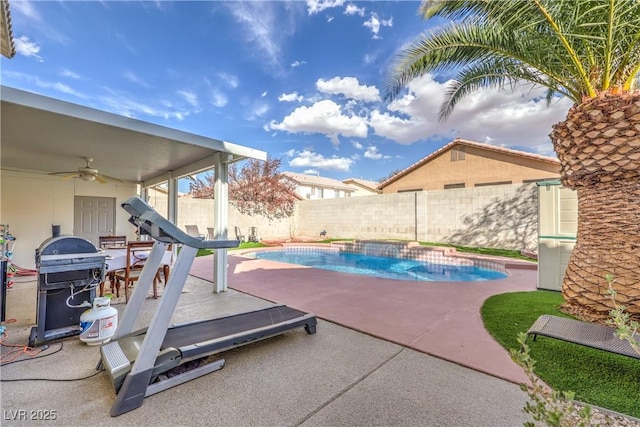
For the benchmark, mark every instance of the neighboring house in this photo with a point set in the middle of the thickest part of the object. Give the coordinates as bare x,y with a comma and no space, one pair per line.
463,164
7,47
318,187
362,187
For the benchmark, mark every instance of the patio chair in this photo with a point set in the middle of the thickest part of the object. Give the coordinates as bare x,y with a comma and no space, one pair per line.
210,233
239,235
253,234
192,230
584,333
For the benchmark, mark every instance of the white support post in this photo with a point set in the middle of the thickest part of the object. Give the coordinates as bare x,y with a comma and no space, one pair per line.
172,202
221,207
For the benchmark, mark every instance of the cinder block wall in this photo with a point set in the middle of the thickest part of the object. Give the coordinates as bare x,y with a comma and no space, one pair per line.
500,216
388,216
200,212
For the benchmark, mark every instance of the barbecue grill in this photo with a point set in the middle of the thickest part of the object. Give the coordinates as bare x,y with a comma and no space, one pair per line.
69,270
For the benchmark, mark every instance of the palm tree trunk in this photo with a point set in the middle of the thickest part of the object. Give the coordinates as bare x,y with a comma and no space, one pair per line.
599,151
608,242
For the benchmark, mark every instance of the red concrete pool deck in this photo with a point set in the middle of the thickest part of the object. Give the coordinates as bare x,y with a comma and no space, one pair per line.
441,319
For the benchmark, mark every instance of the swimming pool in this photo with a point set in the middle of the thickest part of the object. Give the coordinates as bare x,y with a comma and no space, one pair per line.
379,266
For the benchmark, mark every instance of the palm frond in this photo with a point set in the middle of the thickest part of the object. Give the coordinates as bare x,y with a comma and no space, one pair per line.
573,47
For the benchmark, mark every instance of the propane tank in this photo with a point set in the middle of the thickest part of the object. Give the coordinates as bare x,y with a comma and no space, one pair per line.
99,323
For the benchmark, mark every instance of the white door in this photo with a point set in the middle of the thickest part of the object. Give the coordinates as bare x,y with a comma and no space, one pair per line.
94,217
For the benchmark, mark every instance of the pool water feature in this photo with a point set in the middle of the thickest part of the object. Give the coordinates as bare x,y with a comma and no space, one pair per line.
334,259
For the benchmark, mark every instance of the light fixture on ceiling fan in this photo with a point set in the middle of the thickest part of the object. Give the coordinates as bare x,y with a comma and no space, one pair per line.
87,173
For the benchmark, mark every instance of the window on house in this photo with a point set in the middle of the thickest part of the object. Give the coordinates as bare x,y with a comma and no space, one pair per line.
336,194
484,184
320,193
450,186
313,191
528,181
457,153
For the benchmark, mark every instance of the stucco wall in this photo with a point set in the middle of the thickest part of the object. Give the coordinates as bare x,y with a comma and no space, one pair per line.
31,203
478,167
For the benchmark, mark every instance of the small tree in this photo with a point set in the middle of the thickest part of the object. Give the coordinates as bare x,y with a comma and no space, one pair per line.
258,188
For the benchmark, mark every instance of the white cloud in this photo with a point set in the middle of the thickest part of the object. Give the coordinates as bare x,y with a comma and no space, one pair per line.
190,97
349,87
60,87
295,64
128,107
357,145
317,6
308,158
133,78
70,74
291,97
323,117
258,110
519,118
352,9
263,94
25,8
24,46
263,28
229,79
311,172
218,99
374,23
373,153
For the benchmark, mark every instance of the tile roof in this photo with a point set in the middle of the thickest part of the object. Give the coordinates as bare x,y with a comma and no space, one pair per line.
8,48
481,145
317,181
369,185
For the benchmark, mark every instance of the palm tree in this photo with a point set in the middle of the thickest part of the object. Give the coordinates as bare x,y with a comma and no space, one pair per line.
588,51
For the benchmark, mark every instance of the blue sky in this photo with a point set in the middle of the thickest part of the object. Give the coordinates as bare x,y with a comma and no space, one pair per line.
301,80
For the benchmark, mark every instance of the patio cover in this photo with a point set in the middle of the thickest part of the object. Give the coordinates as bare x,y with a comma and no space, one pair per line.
42,134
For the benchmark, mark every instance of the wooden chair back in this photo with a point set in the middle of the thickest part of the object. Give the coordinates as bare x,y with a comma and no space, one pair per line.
108,241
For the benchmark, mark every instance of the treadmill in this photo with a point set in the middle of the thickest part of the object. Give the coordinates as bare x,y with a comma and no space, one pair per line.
147,361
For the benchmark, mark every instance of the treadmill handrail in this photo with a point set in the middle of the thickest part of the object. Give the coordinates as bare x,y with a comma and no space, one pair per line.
151,222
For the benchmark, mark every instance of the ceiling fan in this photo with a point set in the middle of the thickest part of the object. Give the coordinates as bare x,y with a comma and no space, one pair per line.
87,173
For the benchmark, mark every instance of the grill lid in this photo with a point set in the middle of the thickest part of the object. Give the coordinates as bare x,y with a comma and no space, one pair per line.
64,245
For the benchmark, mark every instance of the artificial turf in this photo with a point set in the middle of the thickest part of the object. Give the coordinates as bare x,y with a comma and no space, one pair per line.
596,377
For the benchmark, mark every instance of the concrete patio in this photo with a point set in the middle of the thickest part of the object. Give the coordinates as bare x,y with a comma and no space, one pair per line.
370,363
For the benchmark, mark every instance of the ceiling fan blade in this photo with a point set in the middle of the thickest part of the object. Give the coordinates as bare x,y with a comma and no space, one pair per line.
69,176
110,178
100,179
64,173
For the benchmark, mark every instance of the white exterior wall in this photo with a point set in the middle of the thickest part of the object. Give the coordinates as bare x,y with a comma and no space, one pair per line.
313,192
31,203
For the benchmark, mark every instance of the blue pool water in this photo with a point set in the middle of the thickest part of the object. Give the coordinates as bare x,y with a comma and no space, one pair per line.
388,268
